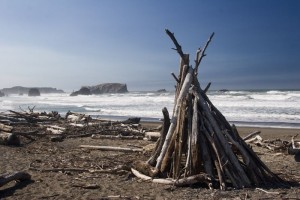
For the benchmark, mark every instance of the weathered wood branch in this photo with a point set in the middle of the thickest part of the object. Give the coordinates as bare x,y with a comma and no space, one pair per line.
182,95
201,140
245,182
14,176
202,54
163,133
6,128
121,137
207,87
176,182
110,148
175,77
178,47
251,135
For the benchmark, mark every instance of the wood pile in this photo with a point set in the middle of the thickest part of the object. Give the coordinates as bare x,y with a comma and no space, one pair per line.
198,145
32,125
278,145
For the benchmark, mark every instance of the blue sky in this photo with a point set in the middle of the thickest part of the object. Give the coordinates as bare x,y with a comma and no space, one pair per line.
70,43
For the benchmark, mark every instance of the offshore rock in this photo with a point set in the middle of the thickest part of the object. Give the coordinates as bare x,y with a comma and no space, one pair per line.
82,91
161,90
34,92
102,89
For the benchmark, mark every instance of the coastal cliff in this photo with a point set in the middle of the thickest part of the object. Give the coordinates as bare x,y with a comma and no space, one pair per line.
102,89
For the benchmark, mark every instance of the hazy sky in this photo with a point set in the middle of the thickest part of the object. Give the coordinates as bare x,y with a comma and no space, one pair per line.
70,43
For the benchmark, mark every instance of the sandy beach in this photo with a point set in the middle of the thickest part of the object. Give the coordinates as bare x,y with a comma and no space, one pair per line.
40,157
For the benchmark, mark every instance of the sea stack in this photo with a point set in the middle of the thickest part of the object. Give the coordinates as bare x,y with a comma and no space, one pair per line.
102,89
34,92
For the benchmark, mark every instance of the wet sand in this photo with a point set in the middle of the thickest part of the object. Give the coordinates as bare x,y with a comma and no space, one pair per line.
266,133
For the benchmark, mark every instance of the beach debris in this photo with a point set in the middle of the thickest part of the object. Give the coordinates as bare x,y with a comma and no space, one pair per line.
110,148
198,143
9,139
275,144
120,169
130,137
57,128
14,176
251,135
295,149
29,117
5,128
132,120
77,117
152,136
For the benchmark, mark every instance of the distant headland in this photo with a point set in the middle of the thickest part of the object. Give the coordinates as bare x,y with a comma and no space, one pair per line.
24,90
101,89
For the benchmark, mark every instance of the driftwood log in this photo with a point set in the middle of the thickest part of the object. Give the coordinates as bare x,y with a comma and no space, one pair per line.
15,176
111,148
199,141
9,139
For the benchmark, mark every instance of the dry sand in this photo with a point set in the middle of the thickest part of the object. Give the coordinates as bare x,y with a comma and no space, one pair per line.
43,154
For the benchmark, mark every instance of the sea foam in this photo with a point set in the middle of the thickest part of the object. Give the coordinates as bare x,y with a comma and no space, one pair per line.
273,107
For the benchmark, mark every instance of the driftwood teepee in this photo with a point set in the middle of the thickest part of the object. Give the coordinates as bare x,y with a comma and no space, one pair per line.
198,145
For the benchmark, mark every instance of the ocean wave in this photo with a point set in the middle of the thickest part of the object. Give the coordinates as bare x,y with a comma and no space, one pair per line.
269,97
276,92
261,106
92,109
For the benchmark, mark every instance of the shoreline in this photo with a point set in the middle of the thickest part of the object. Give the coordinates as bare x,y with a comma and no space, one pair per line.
266,132
276,125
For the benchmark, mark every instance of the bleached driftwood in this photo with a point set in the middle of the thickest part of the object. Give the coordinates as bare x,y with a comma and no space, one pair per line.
176,182
77,125
152,136
251,135
201,141
120,169
77,117
295,147
256,139
182,95
5,128
161,140
56,129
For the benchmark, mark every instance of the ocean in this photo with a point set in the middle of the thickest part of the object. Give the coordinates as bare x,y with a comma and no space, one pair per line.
257,108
